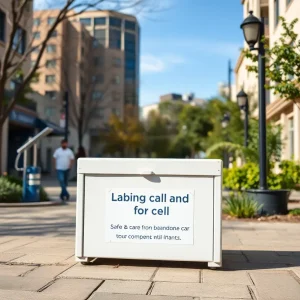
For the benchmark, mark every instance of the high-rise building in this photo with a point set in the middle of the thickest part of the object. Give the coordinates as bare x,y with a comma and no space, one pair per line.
281,111
95,57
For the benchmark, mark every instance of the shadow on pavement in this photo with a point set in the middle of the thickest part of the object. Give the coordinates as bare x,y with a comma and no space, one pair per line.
253,260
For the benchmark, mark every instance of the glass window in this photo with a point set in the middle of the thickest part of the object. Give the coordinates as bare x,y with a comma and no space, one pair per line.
99,38
116,22
50,78
98,78
82,51
129,42
291,137
36,35
96,95
33,62
51,48
54,34
276,11
129,25
98,61
114,39
116,79
51,94
2,26
86,21
130,64
100,21
36,22
116,61
19,41
51,20
51,63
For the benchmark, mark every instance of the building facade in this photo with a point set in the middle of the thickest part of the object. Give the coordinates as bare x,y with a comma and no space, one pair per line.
283,112
95,58
19,123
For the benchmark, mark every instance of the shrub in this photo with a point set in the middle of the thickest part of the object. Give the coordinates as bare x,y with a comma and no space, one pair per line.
241,206
9,191
247,177
295,212
16,181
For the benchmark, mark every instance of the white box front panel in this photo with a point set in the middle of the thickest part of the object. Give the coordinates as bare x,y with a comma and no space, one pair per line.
99,241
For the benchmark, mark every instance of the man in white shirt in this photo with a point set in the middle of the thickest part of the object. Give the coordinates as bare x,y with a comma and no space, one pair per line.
64,159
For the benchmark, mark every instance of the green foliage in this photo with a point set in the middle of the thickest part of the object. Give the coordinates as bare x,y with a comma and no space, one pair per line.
9,191
233,133
247,177
194,126
251,153
157,138
16,182
295,212
241,206
282,62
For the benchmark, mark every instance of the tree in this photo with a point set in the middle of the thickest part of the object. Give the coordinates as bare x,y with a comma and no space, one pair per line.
125,135
216,109
157,135
251,153
194,124
282,63
12,62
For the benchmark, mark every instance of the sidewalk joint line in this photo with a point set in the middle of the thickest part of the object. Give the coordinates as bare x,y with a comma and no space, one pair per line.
252,294
95,289
150,288
154,273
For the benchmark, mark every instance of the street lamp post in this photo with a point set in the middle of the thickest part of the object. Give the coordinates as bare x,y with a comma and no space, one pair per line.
224,123
254,30
242,100
270,201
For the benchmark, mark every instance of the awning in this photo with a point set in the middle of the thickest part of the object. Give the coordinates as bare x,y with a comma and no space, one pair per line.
57,130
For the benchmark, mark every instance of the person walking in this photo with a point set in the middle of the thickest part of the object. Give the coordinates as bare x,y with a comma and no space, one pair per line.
64,159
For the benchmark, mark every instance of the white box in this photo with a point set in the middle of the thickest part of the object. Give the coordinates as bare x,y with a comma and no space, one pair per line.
153,209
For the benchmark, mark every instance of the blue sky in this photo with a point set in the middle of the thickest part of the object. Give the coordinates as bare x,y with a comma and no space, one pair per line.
186,47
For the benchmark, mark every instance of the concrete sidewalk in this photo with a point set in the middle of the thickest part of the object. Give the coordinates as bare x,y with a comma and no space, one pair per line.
261,261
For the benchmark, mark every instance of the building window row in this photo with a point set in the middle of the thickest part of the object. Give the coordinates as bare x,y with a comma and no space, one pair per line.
50,21
114,39
2,26
51,63
113,21
98,78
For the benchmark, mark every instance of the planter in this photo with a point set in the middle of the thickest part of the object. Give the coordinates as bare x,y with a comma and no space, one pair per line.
274,202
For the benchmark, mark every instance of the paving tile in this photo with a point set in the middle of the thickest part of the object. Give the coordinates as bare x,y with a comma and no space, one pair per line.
297,271
16,243
40,259
12,270
276,286
201,290
125,287
177,275
47,271
109,272
6,257
22,283
24,295
75,289
226,277
103,296
45,251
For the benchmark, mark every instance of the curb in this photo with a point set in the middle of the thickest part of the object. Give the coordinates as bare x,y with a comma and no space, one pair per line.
33,204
